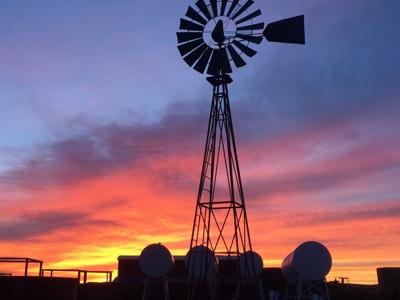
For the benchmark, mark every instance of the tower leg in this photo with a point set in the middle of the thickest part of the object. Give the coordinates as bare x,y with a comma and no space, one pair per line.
326,289
220,221
166,289
304,289
255,285
145,293
237,291
190,288
260,290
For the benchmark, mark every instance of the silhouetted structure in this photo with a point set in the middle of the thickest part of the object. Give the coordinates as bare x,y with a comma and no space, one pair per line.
220,262
342,280
129,269
38,288
23,260
305,269
214,37
389,283
130,283
81,275
156,262
218,33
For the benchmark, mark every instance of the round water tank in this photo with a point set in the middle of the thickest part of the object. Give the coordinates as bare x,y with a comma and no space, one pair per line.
250,265
200,261
311,261
156,261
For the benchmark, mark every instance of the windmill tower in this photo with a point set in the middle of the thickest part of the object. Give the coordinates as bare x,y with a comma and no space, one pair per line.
215,36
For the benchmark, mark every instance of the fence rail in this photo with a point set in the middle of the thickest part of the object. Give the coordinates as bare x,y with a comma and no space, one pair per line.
82,275
24,260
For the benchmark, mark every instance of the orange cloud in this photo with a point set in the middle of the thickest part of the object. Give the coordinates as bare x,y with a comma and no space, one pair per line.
119,189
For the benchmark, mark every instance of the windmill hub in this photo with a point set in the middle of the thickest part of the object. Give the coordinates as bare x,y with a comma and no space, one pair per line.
229,30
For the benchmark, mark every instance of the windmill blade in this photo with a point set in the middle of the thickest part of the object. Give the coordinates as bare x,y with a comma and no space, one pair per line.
239,62
189,25
233,6
194,15
214,62
258,26
223,6
289,30
204,9
201,64
243,8
250,38
245,49
214,7
224,61
219,62
195,55
184,37
250,16
190,46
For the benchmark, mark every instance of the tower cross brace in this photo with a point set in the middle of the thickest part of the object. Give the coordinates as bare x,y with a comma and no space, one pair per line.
220,221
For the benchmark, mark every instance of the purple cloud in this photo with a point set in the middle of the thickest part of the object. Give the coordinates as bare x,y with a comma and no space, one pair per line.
31,226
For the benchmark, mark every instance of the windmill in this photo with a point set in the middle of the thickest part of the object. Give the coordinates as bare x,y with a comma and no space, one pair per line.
214,37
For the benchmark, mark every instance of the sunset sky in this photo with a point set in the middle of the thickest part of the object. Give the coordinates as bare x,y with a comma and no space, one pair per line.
103,127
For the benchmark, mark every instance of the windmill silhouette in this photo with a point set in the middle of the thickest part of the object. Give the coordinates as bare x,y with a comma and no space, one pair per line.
214,37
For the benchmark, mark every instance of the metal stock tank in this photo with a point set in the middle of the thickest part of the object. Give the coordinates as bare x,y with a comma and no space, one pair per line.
310,261
156,261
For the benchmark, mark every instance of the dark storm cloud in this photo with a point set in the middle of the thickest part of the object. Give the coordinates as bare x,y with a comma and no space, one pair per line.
30,226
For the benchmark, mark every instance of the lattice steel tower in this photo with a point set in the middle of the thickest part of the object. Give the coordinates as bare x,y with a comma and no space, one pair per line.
214,36
215,210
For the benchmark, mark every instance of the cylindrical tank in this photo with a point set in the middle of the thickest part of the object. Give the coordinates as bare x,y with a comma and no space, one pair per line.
200,262
311,261
250,265
156,261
